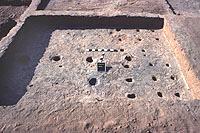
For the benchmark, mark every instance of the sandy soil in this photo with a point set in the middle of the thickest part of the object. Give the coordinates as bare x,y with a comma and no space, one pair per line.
152,86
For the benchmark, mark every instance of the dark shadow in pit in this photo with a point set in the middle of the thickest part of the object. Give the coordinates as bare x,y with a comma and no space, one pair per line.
15,2
6,27
18,64
117,22
43,4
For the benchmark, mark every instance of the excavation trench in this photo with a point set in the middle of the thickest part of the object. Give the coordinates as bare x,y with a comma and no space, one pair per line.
15,2
6,27
97,22
10,11
43,4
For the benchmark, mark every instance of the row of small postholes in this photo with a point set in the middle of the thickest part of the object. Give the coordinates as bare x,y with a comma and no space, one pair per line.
133,96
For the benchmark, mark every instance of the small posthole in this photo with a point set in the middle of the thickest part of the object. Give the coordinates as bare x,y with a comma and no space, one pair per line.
55,58
173,77
131,96
154,78
137,30
129,80
157,39
128,58
89,59
121,50
92,81
126,66
150,64
143,50
177,94
168,65
159,94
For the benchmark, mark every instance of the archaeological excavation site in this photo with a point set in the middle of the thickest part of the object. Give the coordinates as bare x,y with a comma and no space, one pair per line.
100,66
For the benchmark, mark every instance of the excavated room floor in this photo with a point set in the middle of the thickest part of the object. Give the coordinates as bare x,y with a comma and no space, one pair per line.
49,81
53,55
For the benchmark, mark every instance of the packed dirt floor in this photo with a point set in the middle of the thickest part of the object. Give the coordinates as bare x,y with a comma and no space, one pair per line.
48,66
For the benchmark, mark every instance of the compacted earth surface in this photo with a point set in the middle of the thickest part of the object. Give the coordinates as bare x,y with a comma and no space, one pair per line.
48,66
